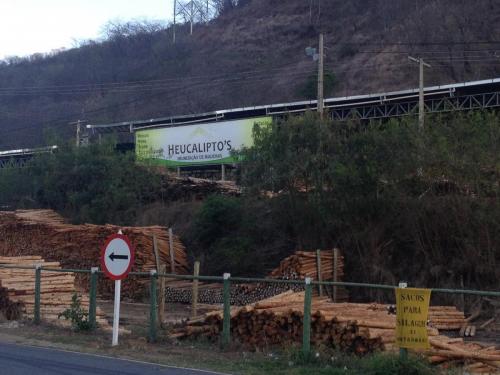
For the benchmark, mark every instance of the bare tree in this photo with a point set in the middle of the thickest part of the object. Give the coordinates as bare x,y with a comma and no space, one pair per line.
113,30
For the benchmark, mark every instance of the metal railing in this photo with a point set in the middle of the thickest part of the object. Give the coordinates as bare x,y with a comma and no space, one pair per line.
226,279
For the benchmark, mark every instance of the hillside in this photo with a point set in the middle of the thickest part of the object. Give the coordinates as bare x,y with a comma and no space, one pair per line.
251,55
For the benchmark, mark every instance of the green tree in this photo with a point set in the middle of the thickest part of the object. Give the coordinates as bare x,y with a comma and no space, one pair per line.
236,235
94,184
309,90
403,204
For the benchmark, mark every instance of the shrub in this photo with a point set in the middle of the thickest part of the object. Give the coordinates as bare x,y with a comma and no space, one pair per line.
390,364
236,235
77,316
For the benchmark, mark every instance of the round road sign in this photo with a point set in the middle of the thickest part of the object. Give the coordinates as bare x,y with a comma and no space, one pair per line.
117,257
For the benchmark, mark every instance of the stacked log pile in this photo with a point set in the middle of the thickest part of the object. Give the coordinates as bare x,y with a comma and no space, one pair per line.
446,318
11,310
56,292
355,328
211,293
304,264
44,233
200,187
350,327
180,291
477,358
298,266
188,187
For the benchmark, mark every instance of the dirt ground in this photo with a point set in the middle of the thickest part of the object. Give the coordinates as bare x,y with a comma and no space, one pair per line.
137,314
489,335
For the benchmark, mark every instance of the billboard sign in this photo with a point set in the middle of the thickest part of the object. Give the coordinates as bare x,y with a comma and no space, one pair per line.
200,144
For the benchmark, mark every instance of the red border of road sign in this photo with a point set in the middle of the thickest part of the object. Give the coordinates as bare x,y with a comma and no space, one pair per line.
132,257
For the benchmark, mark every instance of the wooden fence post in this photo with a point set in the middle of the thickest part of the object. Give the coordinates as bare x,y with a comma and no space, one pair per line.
93,297
38,288
152,305
306,333
194,309
161,296
171,249
335,272
318,267
155,250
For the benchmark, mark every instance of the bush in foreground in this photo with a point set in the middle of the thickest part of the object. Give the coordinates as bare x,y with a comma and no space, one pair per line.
376,364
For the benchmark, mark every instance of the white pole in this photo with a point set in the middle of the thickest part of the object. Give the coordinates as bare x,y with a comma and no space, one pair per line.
192,16
321,76
421,104
175,13
116,312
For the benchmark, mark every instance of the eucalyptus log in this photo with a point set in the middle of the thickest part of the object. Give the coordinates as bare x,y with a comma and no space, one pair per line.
348,327
17,291
45,234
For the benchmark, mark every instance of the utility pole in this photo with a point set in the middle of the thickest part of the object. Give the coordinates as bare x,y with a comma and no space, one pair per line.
310,11
78,132
421,103
321,76
193,12
192,17
82,135
175,14
319,12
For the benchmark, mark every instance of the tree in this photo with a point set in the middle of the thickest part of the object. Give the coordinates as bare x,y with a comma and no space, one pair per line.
114,30
225,6
402,204
93,184
310,88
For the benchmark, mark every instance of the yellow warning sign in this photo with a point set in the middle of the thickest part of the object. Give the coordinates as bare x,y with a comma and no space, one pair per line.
412,310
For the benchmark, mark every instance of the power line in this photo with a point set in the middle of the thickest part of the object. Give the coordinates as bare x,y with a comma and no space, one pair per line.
169,88
59,121
62,121
378,52
228,82
172,94
217,77
442,43
205,76
180,83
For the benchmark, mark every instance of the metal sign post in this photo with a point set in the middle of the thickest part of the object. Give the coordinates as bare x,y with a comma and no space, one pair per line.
117,257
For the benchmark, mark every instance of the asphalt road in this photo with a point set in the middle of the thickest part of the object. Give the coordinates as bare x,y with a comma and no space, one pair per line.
28,360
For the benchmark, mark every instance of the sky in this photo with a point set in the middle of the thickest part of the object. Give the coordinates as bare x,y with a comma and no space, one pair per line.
31,26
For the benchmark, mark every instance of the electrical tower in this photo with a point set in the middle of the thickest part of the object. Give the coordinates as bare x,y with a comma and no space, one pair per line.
195,11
